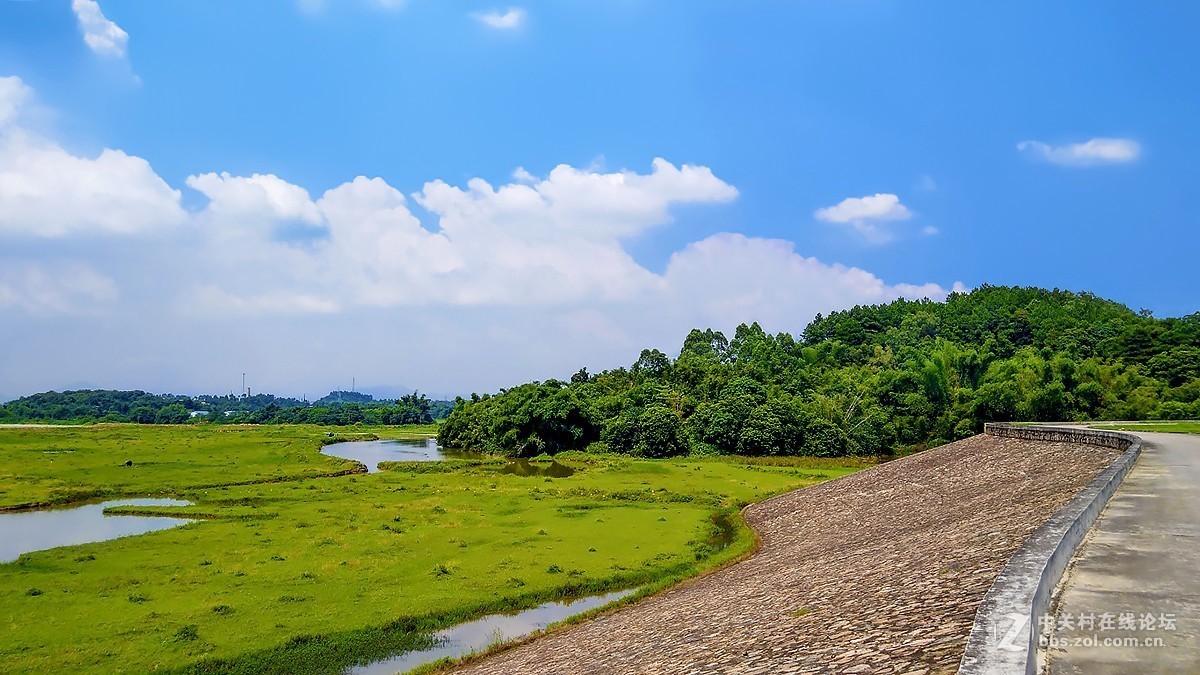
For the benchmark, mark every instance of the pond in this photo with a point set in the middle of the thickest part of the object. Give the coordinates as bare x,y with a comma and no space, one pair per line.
475,636
27,531
371,453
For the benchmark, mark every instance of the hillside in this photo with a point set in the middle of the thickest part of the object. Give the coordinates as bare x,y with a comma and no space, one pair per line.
871,380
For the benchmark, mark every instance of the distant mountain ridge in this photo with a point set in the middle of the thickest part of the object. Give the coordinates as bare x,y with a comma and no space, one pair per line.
106,405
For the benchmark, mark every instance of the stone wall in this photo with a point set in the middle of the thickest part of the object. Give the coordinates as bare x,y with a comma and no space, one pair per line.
1049,434
1004,637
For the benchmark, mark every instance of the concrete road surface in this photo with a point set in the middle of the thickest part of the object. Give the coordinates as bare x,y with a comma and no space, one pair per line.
1131,599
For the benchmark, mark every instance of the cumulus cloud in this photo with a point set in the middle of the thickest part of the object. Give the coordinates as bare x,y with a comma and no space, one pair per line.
549,241
1096,152
555,243
765,280
259,197
866,215
103,36
537,268
46,191
507,20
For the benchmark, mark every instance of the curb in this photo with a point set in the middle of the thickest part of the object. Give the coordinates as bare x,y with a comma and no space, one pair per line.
1004,637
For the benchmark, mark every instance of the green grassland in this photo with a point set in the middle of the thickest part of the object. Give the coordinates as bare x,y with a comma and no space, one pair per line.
61,465
300,570
1164,427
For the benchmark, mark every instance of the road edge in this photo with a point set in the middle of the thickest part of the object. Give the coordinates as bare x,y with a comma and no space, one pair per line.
1004,637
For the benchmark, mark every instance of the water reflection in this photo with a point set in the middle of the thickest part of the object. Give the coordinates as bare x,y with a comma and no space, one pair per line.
475,636
28,531
371,453
524,467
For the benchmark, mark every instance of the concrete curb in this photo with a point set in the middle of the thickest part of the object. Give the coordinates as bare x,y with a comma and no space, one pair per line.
1004,638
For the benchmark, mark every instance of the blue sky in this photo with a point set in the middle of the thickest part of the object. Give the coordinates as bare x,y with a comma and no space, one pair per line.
182,203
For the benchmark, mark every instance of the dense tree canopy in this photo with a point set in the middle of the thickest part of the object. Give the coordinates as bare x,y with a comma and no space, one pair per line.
868,380
338,408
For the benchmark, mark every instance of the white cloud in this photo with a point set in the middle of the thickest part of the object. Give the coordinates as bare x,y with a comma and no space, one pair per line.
878,207
57,288
929,230
550,242
48,192
103,36
206,298
537,269
1098,151
865,214
507,20
259,197
13,96
45,191
765,280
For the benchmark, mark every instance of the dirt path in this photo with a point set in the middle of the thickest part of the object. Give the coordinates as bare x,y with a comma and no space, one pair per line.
878,572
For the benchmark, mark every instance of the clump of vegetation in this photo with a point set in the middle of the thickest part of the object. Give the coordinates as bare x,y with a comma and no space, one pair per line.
188,633
34,592
339,408
866,381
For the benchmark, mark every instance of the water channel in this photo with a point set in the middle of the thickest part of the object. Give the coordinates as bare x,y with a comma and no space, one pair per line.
475,636
27,531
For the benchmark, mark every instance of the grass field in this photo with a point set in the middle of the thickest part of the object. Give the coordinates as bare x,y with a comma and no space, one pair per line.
61,465
299,570
1186,427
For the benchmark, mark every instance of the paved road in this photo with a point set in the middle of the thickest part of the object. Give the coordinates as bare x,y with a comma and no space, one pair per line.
1141,560
877,572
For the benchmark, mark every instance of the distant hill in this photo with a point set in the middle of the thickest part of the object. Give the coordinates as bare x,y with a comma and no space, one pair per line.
102,405
335,397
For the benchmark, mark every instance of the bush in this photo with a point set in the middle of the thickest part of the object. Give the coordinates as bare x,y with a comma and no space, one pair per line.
660,433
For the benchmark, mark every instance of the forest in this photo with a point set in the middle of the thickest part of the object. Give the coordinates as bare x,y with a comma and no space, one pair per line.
872,380
337,408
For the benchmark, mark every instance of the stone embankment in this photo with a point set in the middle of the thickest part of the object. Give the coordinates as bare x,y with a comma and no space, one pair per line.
878,572
1006,635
